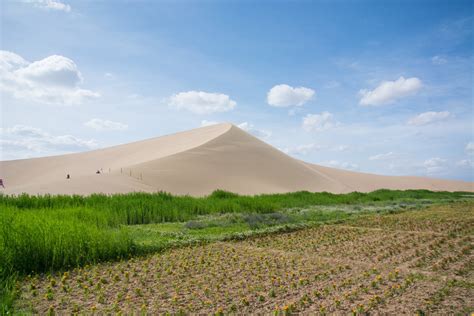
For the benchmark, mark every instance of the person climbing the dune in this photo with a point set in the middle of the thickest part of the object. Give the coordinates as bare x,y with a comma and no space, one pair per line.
68,176
1,183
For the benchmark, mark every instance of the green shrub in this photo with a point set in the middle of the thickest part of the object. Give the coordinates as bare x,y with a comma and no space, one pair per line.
263,220
195,225
222,194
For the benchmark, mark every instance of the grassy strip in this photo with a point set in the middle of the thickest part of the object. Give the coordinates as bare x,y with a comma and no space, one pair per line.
157,237
7,291
145,208
207,228
40,241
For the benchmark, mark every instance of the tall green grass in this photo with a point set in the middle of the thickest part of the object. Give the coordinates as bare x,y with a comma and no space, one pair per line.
144,208
43,240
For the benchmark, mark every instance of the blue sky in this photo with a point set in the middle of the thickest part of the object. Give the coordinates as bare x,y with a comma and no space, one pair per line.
374,86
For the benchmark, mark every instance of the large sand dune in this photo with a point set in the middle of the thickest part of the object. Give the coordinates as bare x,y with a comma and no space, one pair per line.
196,162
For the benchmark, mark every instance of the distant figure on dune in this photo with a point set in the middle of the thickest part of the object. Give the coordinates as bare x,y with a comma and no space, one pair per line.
68,176
1,183
97,172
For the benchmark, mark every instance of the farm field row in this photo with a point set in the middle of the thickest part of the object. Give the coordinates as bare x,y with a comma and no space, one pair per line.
400,262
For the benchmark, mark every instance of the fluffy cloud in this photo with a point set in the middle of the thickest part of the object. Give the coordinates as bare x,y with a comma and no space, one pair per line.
438,60
105,125
434,165
51,5
52,80
428,117
10,61
340,148
389,91
24,141
465,163
470,148
319,122
202,102
340,165
284,95
382,156
250,128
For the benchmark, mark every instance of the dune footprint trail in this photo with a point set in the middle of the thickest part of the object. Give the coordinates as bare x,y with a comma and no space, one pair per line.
196,162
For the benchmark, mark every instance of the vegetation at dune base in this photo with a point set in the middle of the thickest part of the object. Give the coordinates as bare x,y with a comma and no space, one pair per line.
388,260
56,233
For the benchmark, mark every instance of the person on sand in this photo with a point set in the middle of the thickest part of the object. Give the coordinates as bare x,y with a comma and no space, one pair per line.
68,176
97,172
1,183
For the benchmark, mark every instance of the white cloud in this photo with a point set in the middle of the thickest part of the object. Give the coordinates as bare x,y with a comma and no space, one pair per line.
382,156
389,91
319,122
434,165
54,70
105,125
208,123
470,148
284,95
340,148
465,163
10,61
202,102
250,128
24,141
52,80
341,165
438,60
109,75
428,117
51,5
134,96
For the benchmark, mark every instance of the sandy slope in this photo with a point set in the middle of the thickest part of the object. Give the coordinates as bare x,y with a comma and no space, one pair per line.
196,162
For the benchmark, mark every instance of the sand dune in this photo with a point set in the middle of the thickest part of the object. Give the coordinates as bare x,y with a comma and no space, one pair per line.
196,162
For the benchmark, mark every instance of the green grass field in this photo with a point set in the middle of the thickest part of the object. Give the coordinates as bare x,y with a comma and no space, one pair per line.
57,233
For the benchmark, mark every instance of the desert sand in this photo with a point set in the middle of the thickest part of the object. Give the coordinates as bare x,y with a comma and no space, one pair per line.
196,162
